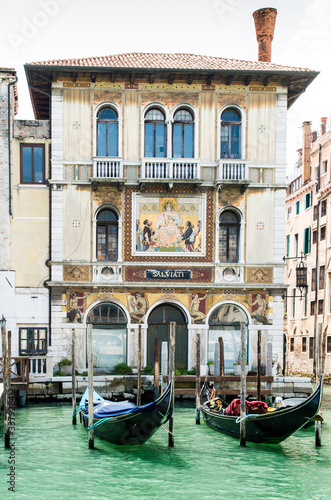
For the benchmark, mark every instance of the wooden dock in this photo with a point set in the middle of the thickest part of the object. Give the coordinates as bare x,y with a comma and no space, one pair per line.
185,385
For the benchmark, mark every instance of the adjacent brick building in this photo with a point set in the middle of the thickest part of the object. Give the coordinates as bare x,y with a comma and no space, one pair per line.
308,234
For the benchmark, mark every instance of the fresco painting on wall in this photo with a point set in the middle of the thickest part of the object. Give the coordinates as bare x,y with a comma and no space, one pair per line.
169,225
260,306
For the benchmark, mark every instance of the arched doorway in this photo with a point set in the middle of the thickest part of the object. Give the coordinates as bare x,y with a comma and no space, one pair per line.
225,322
159,326
109,337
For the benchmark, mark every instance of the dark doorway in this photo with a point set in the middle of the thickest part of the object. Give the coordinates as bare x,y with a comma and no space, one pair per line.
159,326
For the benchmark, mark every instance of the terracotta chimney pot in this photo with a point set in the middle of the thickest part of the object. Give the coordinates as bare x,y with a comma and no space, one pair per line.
265,20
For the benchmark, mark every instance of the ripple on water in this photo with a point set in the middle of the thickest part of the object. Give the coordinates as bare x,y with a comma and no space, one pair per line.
53,461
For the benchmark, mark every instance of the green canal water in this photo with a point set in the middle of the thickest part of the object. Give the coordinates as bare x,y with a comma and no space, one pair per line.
52,462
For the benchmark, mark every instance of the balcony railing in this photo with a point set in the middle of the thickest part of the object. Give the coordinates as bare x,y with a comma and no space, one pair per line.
80,171
232,170
40,366
107,168
178,169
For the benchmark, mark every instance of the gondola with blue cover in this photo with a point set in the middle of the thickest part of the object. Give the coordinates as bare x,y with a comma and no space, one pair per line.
123,422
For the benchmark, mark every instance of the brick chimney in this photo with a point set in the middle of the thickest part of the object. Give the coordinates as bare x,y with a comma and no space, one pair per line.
265,20
323,125
306,135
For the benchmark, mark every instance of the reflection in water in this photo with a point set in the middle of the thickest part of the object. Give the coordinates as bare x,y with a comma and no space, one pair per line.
54,461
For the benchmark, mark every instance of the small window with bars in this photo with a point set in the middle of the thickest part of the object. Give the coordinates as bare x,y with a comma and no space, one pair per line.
311,347
292,344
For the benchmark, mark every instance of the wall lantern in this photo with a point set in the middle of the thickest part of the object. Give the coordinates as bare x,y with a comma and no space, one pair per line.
301,274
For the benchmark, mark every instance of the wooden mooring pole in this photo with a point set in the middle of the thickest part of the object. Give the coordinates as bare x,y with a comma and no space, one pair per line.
172,345
164,365
217,365
197,386
90,386
156,366
5,371
73,376
139,368
319,363
258,382
243,385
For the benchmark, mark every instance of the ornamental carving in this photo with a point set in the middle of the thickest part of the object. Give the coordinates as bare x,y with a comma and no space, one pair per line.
108,85
259,275
168,86
76,273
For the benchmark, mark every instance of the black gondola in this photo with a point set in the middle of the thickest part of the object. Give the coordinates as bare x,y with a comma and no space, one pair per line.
270,427
123,422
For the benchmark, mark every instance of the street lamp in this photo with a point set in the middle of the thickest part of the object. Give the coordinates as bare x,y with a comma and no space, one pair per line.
301,276
3,321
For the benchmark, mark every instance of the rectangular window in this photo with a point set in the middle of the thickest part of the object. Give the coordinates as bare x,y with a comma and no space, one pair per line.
294,298
321,277
304,344
312,308
324,167
323,233
296,237
160,146
323,208
315,211
311,347
306,302
313,279
297,209
320,306
32,341
288,242
149,140
328,343
306,240
32,163
292,344
308,199
289,213
188,141
314,236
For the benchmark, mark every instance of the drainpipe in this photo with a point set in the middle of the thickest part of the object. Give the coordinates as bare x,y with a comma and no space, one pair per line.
317,264
9,146
48,261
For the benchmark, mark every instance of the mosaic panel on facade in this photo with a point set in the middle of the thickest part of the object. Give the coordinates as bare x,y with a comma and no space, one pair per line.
168,223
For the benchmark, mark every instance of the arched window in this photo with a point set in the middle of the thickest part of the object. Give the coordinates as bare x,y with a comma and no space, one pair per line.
231,134
159,326
155,134
183,134
109,337
225,322
107,235
229,233
107,132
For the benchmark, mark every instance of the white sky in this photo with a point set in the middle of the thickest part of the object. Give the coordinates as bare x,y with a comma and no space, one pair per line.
40,30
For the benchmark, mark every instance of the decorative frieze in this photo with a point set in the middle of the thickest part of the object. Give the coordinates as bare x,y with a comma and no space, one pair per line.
169,86
259,275
76,273
108,85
